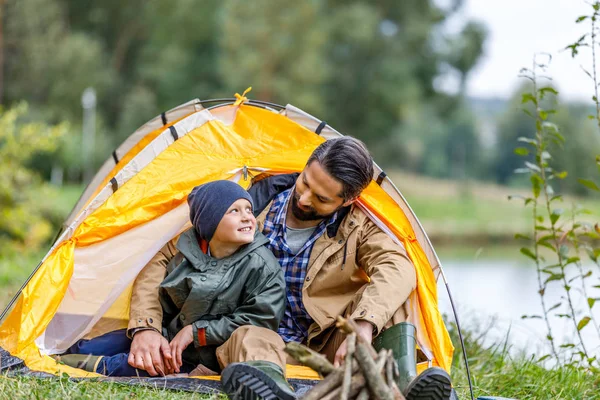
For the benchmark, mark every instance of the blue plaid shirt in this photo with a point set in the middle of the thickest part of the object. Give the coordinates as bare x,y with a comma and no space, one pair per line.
296,321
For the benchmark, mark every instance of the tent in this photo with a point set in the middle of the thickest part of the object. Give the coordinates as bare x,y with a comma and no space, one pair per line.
137,202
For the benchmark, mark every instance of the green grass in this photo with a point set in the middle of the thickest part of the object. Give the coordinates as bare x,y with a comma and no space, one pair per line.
63,388
496,371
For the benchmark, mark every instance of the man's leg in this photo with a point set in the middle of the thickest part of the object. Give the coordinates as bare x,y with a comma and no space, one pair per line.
253,363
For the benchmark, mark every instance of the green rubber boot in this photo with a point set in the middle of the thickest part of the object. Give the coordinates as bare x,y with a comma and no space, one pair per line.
255,380
431,384
86,362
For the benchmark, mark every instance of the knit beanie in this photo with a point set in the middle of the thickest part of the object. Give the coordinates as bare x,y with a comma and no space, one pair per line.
209,202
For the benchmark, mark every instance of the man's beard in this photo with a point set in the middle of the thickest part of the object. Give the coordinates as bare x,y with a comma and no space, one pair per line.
309,215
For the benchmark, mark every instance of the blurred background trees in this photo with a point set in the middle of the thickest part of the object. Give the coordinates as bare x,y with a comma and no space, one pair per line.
372,69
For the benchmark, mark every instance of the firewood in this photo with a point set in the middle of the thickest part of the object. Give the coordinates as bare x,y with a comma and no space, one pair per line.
332,382
372,374
350,346
349,326
310,358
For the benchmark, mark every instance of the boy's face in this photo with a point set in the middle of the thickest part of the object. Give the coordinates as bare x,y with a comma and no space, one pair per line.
237,225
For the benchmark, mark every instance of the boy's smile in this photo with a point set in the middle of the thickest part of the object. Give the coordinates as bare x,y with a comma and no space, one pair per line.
237,226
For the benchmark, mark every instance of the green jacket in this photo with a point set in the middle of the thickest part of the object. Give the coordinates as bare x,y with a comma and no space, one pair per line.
220,295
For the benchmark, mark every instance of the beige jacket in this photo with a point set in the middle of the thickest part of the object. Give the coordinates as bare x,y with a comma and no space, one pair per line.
360,259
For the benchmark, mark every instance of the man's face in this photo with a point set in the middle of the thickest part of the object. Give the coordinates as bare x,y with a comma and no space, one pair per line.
316,195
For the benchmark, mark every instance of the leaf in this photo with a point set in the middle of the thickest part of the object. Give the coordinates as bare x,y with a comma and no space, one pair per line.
591,301
548,89
521,236
544,357
572,260
584,321
556,213
522,151
589,184
564,250
534,167
554,277
545,155
561,175
567,346
527,140
528,97
528,253
521,171
554,307
531,317
536,187
582,18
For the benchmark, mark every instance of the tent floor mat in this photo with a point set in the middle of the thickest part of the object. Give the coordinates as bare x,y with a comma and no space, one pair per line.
14,367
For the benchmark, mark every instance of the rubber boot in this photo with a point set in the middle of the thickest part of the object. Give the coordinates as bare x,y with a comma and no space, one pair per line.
431,384
86,362
255,380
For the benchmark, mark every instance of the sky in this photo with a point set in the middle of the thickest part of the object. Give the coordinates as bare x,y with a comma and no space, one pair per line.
517,29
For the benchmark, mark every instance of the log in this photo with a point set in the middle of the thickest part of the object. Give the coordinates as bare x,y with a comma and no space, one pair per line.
349,326
357,384
310,358
363,395
332,382
372,373
350,346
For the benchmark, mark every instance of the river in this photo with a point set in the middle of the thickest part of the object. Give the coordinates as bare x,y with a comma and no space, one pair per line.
491,295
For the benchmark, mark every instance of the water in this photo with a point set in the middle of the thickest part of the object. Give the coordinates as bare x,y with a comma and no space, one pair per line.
492,295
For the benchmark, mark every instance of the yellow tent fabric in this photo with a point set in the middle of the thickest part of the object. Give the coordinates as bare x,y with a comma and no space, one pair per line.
256,140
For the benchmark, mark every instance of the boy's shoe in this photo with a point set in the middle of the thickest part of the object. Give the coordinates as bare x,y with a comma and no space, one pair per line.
86,362
432,384
256,380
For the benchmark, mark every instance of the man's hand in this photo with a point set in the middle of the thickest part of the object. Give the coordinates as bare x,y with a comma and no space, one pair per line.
150,351
179,343
365,329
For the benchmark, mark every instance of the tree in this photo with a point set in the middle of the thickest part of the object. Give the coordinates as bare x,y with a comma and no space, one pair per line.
22,194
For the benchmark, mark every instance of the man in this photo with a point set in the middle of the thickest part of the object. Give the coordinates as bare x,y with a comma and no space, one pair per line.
336,262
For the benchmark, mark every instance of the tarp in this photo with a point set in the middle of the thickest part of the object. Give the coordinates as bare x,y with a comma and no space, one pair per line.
82,287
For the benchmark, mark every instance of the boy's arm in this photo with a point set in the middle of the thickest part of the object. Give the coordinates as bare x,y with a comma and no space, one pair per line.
146,311
263,306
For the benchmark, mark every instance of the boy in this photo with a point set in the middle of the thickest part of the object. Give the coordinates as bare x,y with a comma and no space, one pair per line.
222,278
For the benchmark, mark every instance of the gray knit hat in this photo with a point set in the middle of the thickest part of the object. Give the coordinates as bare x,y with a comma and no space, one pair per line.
209,202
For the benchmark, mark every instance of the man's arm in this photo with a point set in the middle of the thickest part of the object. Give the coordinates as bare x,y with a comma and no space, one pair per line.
392,276
150,351
145,311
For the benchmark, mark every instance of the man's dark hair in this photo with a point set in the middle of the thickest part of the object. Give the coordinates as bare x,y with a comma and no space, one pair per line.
348,161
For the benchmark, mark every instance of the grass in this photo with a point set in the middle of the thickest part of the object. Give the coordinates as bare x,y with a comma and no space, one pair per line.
495,372
63,388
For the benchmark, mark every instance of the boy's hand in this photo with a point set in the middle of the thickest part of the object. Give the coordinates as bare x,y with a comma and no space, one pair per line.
150,352
179,343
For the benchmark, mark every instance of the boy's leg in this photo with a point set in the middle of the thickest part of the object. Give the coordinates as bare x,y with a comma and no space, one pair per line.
115,365
252,343
109,344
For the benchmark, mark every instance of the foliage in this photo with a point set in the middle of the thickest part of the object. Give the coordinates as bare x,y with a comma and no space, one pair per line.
23,196
366,67
553,230
499,370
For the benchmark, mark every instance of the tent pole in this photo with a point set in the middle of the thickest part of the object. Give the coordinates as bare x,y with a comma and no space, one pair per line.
460,336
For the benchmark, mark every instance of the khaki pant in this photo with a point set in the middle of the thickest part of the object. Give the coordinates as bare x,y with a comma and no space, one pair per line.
252,343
